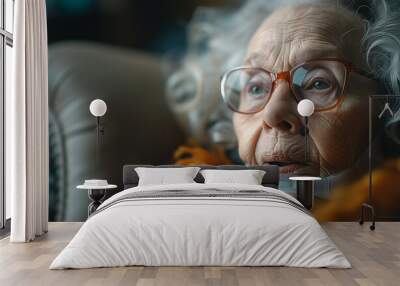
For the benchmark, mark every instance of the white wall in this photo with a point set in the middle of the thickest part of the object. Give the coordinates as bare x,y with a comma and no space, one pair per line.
8,86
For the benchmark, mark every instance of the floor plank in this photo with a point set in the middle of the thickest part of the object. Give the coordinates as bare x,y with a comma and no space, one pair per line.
375,257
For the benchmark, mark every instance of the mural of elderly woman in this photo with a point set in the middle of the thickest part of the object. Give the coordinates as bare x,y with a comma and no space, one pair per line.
332,52
329,54
318,51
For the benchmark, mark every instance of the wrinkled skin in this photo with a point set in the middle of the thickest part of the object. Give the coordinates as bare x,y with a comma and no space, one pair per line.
289,37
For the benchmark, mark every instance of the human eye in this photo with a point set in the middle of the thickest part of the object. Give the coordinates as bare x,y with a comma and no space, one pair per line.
257,86
255,90
319,81
318,84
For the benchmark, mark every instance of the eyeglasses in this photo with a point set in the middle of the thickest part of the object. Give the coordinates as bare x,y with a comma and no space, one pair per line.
248,89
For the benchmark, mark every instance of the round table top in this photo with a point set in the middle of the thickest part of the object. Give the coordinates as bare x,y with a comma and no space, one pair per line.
305,178
90,187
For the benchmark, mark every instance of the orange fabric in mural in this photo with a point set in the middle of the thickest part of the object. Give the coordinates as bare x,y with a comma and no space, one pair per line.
346,201
194,154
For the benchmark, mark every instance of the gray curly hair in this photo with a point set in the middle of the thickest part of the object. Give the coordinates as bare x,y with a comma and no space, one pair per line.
223,36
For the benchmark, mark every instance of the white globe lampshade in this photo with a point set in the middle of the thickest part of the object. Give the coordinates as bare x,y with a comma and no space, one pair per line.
98,107
305,107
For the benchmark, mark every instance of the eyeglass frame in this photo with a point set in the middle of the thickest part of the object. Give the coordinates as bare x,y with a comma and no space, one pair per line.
287,75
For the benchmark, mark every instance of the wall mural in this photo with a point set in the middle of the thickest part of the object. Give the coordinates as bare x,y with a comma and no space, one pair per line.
166,103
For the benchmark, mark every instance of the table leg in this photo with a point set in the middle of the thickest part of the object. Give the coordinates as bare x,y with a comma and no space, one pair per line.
305,193
95,196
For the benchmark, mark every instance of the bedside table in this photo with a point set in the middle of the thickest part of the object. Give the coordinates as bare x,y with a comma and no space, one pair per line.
96,194
305,189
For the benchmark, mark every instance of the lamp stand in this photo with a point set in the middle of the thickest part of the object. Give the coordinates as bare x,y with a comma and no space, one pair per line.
99,129
306,155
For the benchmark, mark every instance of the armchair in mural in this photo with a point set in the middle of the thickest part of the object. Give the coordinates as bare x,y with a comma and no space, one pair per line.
139,127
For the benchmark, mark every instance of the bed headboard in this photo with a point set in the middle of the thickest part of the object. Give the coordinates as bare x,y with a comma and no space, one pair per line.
271,178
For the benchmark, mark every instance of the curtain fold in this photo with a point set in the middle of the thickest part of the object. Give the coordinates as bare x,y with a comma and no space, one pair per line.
27,123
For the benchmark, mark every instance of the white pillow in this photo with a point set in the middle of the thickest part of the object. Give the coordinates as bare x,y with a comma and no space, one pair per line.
248,177
162,176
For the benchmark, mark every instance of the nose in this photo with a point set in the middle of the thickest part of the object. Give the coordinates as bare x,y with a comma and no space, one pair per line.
280,112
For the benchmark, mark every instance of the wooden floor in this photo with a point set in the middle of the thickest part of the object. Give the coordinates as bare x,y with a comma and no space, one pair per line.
375,257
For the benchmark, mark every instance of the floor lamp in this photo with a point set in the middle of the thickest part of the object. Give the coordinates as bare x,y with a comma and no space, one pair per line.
98,108
305,182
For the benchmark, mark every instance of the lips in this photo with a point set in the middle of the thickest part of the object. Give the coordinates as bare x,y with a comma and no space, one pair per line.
285,163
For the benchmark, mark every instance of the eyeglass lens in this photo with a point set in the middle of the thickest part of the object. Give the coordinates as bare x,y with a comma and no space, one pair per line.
247,90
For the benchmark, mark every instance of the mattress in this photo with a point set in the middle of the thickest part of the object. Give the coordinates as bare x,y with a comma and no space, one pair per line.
201,225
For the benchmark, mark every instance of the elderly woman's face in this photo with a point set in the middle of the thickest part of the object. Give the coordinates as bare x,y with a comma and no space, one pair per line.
289,37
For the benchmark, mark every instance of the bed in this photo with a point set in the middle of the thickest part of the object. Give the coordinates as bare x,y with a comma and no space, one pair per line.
201,224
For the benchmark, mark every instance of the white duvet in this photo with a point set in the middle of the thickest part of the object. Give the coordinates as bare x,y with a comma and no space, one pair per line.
200,231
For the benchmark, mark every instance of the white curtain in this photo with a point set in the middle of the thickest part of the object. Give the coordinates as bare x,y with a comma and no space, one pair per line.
27,123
